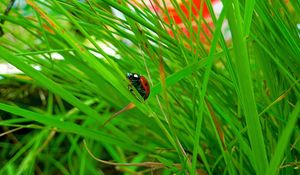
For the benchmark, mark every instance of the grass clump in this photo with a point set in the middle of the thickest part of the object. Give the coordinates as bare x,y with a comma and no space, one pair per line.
215,106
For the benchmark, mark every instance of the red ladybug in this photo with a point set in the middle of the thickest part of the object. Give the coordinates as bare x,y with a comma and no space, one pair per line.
140,83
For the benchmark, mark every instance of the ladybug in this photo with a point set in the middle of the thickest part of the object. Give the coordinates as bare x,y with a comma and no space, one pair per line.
140,83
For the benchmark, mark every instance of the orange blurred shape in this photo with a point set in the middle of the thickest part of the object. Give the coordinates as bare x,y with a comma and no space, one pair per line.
184,7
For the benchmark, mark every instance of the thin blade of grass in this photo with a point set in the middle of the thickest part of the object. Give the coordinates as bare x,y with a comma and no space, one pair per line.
69,127
46,82
246,89
283,141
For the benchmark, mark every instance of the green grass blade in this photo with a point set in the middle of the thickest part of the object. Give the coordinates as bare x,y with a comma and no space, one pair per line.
246,89
46,82
283,141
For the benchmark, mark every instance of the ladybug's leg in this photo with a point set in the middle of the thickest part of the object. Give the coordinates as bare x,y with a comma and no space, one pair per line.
130,88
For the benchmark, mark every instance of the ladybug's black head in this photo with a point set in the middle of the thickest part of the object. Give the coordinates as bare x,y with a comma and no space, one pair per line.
133,76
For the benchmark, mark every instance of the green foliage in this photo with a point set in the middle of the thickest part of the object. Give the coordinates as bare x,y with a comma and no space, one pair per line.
216,106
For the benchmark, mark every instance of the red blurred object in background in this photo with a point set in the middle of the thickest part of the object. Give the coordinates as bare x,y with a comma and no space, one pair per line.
156,5
195,10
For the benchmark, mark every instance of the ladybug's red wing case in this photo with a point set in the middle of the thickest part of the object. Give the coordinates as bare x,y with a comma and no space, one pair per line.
145,85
